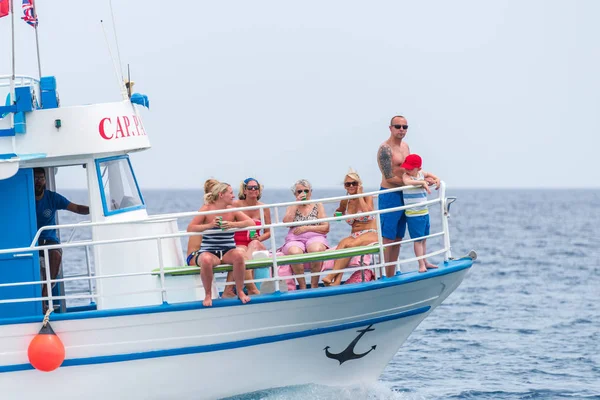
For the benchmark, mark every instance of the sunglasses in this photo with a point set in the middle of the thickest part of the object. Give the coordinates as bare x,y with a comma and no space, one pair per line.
302,191
39,178
348,184
400,127
252,187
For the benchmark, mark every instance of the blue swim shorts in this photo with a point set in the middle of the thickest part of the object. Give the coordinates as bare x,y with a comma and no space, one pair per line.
418,226
393,224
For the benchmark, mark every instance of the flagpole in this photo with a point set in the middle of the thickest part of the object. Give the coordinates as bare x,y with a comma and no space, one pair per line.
12,77
12,27
12,51
37,43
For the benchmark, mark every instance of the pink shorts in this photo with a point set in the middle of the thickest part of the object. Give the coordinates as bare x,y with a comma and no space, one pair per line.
303,240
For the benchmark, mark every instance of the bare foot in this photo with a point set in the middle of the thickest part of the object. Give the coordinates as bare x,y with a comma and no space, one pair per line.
253,291
430,266
326,281
207,301
228,292
422,269
244,298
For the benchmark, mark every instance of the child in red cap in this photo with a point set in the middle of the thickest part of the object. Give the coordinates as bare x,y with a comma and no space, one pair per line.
417,218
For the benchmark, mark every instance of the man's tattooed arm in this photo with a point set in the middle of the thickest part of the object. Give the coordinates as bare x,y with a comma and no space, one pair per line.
384,159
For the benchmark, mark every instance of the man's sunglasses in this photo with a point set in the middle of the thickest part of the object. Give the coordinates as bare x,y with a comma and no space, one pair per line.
252,187
302,191
400,127
39,178
348,184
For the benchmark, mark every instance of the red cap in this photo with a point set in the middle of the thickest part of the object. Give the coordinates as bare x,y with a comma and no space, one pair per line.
412,161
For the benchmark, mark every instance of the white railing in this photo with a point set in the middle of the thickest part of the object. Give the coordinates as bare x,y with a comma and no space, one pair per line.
87,244
20,80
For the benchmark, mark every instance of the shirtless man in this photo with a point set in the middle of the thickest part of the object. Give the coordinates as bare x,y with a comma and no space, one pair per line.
215,248
390,156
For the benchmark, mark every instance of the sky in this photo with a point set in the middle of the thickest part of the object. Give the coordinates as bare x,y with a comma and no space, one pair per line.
502,94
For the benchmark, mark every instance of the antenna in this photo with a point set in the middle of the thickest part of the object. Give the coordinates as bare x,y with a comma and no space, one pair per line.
119,77
116,38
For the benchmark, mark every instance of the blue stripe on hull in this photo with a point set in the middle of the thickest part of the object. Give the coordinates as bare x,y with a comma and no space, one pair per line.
449,268
221,346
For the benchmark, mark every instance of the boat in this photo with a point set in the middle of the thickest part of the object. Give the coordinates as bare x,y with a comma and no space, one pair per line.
142,332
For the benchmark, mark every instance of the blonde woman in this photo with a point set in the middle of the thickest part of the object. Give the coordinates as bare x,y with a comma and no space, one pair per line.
364,229
218,247
305,238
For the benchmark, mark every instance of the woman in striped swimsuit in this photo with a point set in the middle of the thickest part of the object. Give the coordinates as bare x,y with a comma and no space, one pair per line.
216,247
364,229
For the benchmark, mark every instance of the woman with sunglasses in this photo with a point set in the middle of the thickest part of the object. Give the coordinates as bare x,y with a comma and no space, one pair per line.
249,194
364,229
305,238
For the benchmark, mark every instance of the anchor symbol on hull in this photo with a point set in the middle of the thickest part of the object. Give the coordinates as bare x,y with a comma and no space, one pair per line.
348,353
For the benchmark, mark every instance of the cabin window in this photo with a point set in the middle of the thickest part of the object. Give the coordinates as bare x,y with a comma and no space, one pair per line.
118,187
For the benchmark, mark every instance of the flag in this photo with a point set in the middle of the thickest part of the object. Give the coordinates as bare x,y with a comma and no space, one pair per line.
28,14
4,8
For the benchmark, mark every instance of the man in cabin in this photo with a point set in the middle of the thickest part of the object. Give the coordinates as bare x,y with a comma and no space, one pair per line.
47,203
390,156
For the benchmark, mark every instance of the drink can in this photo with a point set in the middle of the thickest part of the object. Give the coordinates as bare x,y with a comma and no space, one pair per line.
252,234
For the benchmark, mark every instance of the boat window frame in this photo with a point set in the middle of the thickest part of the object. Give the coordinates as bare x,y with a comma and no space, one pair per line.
107,212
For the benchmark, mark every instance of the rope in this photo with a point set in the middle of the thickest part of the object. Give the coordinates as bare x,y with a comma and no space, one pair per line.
47,317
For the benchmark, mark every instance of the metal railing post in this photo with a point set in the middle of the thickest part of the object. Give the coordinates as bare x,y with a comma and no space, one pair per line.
274,250
89,270
380,242
48,278
163,291
445,228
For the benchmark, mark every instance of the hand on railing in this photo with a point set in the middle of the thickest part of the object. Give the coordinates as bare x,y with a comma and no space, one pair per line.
431,181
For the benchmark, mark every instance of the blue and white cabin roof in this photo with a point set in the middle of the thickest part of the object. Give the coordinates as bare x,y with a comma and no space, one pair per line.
35,130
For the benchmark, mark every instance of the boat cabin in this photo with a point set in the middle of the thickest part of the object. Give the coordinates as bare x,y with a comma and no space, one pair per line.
36,131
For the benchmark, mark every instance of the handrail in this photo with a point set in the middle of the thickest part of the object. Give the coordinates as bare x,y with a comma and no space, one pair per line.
165,288
185,234
195,213
18,78
179,234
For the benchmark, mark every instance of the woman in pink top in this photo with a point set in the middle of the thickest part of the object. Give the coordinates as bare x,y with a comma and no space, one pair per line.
305,238
364,229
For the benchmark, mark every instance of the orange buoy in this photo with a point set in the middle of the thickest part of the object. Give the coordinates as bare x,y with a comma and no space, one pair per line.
46,351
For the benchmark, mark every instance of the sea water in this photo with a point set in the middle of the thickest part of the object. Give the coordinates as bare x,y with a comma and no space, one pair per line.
525,322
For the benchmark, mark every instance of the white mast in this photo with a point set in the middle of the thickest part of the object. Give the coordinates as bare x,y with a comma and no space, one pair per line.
37,43
12,77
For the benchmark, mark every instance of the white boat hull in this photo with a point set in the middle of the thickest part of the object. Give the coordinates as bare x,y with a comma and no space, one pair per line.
280,340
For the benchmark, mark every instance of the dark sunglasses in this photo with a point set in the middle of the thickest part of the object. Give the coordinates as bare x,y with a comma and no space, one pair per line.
302,191
252,187
348,184
400,127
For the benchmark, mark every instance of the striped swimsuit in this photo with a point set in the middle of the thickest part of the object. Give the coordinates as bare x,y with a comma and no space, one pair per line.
217,243
415,196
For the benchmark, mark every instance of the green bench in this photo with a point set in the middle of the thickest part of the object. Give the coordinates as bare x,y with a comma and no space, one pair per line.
281,260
